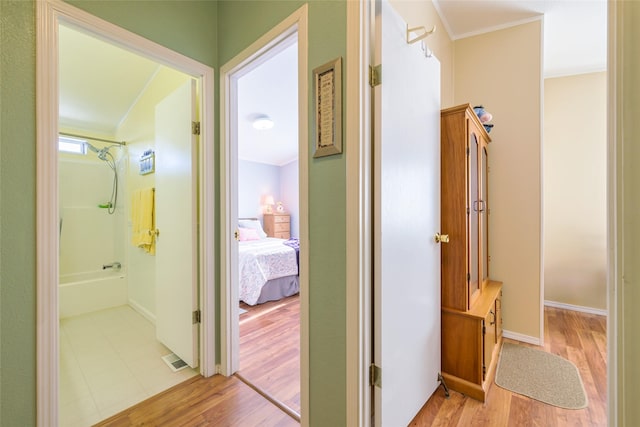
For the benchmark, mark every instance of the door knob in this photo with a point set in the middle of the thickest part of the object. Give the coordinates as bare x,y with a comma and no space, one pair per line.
442,238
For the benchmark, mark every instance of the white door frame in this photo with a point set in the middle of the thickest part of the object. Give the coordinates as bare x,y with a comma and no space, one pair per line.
359,205
49,13
244,61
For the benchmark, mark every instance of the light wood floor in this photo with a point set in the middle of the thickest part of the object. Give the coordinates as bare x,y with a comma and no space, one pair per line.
578,337
220,401
269,358
270,348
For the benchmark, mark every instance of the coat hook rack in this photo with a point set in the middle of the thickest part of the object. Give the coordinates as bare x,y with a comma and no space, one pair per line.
419,37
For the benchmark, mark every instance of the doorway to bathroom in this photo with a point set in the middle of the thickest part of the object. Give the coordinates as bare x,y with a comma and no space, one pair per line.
127,156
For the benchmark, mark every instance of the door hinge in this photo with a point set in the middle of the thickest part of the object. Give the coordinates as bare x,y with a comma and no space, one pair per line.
195,128
375,375
468,277
196,317
484,330
484,370
375,75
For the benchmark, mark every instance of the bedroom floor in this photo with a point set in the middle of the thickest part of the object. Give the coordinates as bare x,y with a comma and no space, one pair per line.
109,361
270,348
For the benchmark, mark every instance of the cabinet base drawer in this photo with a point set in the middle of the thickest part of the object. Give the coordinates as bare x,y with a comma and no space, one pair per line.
475,391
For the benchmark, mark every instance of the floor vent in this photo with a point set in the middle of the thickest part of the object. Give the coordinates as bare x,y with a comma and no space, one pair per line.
174,362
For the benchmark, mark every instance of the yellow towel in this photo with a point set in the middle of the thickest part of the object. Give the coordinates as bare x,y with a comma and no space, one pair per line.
143,220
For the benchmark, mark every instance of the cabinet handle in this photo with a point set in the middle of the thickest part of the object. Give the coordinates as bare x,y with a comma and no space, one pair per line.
493,322
478,205
442,238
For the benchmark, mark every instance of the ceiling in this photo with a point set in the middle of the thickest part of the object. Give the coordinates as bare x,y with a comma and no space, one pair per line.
575,31
273,80
100,82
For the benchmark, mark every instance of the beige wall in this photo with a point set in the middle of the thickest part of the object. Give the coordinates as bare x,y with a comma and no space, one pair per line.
502,70
423,13
575,176
138,130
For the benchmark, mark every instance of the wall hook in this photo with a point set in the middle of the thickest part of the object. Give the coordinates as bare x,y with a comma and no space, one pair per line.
424,34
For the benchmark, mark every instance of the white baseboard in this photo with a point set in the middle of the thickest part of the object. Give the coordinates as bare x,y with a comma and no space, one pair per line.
582,309
521,337
143,311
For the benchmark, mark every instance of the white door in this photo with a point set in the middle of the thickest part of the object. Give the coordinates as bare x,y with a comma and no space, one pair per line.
406,219
176,154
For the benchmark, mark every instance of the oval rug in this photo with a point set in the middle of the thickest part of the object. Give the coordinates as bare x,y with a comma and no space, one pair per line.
541,376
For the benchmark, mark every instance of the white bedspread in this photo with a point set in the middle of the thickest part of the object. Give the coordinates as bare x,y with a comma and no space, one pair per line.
263,260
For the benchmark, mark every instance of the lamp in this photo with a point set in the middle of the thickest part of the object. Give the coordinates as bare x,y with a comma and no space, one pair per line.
269,202
262,122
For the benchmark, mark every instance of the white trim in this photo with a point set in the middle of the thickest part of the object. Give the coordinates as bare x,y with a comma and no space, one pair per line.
142,311
541,171
580,308
521,337
442,16
569,72
358,203
256,53
49,13
46,224
497,27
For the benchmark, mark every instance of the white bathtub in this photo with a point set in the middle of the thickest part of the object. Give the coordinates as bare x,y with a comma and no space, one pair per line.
87,292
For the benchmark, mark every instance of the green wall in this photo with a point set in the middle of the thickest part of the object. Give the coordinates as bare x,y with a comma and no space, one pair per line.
212,33
240,24
17,214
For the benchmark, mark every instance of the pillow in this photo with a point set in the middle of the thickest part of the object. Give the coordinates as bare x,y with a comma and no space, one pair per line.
254,224
248,234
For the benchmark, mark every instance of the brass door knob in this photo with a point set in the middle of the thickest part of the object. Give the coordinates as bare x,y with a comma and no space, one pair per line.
442,238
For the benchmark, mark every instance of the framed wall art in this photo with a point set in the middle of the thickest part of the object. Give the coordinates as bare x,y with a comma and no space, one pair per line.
327,80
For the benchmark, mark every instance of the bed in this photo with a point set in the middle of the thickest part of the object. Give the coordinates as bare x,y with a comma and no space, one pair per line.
268,267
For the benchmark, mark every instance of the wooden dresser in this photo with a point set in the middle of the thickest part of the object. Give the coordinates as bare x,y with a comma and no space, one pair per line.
471,301
278,225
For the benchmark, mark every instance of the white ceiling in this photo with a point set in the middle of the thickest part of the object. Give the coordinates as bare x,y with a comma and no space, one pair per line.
99,82
271,89
575,31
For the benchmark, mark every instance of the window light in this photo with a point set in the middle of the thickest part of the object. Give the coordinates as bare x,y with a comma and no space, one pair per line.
71,145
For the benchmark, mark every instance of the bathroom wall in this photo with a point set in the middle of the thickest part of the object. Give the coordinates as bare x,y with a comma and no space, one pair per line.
138,129
90,237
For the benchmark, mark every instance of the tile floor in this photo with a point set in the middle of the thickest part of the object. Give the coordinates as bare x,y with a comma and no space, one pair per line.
109,361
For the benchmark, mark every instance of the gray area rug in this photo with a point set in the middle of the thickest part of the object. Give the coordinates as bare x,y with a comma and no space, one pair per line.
541,376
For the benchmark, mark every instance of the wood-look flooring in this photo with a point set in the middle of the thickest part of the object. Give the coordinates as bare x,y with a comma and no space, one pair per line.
269,359
578,337
220,401
270,349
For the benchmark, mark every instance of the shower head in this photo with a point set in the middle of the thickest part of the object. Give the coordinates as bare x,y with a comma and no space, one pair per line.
91,147
102,153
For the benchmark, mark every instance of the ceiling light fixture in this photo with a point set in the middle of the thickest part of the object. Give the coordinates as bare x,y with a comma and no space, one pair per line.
262,123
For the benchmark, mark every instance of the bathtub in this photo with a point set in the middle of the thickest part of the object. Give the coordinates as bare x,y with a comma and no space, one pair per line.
86,292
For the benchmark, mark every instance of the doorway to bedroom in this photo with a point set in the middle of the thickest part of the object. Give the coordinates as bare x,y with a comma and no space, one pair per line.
264,220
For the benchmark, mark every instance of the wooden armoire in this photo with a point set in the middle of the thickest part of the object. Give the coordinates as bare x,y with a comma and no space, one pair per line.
471,301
